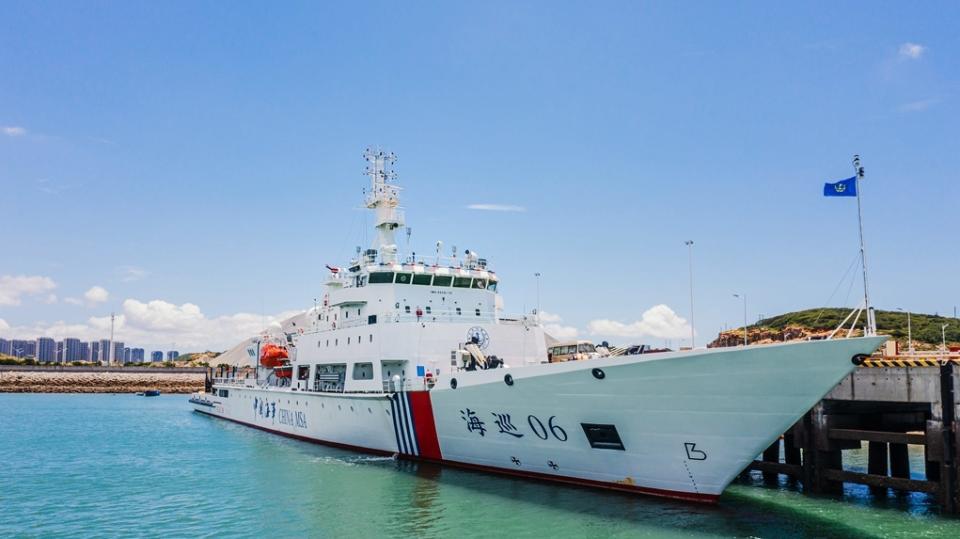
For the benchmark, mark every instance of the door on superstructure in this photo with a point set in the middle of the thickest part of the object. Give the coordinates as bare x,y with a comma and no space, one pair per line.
393,372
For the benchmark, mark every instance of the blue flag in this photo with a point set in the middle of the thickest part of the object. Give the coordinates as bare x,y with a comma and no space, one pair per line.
842,188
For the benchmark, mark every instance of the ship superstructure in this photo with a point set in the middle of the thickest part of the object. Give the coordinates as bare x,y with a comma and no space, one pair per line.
412,356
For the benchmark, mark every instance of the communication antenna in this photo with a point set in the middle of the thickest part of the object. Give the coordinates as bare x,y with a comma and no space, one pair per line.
439,246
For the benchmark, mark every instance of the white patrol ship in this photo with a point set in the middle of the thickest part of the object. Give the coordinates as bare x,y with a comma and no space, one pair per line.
413,358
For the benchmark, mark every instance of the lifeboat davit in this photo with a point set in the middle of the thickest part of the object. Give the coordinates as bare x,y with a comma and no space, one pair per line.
273,355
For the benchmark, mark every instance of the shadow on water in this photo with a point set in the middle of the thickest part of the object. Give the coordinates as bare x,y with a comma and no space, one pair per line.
429,500
735,515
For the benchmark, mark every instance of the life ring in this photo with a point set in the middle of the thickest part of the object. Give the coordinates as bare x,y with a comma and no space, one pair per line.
430,380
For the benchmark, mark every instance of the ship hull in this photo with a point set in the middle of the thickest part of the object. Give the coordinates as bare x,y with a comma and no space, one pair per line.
680,425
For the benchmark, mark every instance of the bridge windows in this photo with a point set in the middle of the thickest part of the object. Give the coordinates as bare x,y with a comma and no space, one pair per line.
462,282
422,278
492,286
403,278
480,283
381,277
442,280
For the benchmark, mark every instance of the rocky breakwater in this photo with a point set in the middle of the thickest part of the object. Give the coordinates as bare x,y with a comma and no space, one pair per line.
99,381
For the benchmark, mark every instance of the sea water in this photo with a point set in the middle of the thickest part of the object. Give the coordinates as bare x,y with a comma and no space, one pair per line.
128,466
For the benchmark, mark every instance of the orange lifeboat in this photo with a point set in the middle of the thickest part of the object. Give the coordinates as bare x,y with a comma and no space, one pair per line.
285,371
273,355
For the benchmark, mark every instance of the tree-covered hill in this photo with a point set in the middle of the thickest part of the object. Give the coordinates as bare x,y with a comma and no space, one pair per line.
926,327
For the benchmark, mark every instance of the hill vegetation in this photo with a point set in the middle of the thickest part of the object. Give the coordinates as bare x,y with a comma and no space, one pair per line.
926,327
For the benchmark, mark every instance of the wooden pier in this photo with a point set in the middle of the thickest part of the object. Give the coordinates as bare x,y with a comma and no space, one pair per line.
888,403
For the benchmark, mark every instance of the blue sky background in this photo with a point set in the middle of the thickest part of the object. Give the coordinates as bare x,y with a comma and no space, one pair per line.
176,151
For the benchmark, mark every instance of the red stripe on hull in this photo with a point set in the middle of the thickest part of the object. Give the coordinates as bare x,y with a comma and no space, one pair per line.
633,489
424,426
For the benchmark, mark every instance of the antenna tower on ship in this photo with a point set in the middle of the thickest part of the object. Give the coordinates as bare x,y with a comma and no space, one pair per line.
384,200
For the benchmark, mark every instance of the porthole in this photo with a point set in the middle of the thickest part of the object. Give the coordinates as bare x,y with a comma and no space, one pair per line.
599,374
508,379
453,383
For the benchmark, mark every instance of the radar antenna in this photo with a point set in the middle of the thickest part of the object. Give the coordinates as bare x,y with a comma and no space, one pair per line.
384,199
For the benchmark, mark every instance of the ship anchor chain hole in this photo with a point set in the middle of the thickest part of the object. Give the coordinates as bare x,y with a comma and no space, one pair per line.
599,374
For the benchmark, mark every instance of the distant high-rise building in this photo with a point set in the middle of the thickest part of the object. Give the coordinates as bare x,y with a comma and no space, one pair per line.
71,350
172,355
23,349
46,350
105,350
94,351
126,354
118,352
85,352
136,355
5,347
156,356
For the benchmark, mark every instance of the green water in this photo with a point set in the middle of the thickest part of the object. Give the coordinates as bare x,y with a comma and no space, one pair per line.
127,466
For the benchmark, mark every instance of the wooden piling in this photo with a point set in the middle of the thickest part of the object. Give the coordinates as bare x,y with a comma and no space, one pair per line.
948,470
771,454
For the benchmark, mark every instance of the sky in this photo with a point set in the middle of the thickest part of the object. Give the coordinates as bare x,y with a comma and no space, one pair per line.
192,166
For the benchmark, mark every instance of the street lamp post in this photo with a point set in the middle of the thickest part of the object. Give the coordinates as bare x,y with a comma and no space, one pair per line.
943,336
537,275
689,244
909,331
746,336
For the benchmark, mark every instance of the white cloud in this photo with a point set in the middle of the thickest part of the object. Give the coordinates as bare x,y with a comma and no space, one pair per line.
553,327
13,131
12,287
96,294
131,273
50,299
496,207
918,106
73,301
4,326
159,324
912,51
546,317
659,321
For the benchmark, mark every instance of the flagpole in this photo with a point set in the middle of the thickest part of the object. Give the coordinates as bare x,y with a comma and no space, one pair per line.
871,321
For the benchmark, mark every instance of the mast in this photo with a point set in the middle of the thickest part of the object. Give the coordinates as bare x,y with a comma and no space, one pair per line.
384,200
871,320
